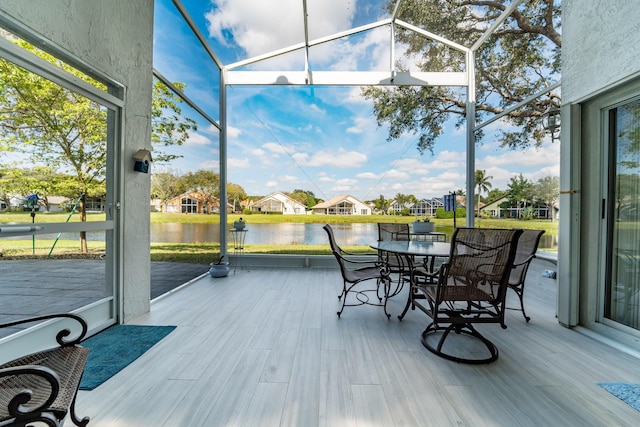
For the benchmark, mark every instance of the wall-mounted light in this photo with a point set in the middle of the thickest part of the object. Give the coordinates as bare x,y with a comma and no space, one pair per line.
551,123
142,160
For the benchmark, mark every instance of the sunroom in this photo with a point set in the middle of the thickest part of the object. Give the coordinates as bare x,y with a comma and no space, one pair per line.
111,44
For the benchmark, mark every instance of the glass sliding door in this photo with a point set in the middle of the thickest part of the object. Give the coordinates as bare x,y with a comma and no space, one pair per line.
622,288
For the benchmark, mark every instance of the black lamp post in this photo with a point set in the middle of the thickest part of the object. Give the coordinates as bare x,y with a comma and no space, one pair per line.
551,123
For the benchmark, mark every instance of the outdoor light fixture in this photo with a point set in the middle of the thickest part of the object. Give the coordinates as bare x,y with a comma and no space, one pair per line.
551,122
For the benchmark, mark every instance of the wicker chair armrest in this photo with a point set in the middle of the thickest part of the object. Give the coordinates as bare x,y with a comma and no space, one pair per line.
357,261
524,261
343,252
22,402
61,336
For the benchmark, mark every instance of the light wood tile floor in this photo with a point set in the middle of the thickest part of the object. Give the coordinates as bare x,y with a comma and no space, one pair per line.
265,348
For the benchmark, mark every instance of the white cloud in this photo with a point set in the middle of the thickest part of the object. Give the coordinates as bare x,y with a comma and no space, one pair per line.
529,157
313,108
416,166
396,175
341,188
197,139
233,132
533,163
238,163
367,175
276,148
245,19
271,184
449,160
213,165
343,182
306,128
340,159
289,178
432,186
259,27
360,124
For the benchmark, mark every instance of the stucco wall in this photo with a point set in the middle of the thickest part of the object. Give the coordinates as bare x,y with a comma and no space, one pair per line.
600,45
600,67
116,37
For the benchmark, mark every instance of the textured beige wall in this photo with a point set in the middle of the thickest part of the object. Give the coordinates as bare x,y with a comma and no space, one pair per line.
600,61
116,37
600,45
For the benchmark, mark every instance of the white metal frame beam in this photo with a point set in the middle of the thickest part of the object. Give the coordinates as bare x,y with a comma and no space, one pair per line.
230,75
306,43
346,78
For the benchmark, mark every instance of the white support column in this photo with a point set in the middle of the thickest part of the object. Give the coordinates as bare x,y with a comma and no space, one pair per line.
392,50
223,162
569,224
471,136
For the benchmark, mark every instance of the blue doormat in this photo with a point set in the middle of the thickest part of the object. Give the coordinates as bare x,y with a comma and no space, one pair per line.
628,393
115,347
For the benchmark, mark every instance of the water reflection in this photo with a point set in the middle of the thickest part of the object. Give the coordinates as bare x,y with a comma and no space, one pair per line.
289,234
274,234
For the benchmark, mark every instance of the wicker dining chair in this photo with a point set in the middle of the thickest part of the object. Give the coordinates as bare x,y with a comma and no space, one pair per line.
397,265
469,288
356,271
392,231
525,253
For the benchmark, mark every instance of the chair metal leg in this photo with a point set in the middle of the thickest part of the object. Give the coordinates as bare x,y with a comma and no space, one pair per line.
520,293
344,291
387,286
408,304
457,328
521,296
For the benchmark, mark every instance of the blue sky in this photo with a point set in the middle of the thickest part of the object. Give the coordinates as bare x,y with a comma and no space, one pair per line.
322,139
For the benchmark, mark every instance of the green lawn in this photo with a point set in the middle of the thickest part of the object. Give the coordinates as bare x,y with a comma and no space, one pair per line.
201,253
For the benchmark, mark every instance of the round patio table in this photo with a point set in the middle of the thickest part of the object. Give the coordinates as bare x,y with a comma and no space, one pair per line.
409,250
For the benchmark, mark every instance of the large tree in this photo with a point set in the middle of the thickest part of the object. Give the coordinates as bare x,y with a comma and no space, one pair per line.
381,204
44,182
236,194
521,58
520,191
547,189
206,184
306,197
67,132
483,184
164,187
404,200
168,125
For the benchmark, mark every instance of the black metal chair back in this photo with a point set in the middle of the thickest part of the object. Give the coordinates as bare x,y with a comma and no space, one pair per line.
392,231
397,265
354,271
525,253
471,288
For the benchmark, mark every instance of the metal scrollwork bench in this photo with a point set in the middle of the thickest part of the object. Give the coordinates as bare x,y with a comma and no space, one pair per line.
42,387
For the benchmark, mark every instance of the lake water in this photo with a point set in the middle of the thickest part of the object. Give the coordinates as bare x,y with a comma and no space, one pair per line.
288,234
275,234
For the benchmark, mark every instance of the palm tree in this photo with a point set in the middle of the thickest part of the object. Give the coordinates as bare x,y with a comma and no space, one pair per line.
483,184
